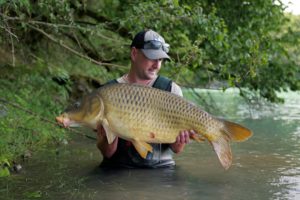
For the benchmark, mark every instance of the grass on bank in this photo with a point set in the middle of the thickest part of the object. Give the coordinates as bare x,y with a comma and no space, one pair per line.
29,101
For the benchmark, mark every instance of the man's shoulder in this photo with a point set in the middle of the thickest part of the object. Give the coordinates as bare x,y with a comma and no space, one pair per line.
117,80
167,84
176,89
111,82
163,83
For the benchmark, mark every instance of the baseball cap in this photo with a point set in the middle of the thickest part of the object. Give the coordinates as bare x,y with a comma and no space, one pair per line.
151,44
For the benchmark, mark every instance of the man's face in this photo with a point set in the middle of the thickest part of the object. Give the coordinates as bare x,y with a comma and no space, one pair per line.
145,68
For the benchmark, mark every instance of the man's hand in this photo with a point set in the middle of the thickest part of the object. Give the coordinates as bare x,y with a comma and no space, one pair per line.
182,139
106,149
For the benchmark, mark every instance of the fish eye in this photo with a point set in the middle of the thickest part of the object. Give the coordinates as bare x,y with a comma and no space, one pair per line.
76,104
73,106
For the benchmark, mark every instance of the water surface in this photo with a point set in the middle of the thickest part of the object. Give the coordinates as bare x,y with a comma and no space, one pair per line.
267,166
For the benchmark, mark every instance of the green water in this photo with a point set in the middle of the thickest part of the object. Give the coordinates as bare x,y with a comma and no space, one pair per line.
267,166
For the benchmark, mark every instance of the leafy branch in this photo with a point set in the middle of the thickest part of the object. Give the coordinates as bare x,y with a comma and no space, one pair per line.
33,25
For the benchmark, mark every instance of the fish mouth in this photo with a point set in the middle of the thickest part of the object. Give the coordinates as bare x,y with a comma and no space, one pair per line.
59,119
63,121
66,122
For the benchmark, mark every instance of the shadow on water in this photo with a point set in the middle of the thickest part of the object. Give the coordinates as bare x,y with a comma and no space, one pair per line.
265,167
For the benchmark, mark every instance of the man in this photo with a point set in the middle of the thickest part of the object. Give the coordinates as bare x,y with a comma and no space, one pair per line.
148,50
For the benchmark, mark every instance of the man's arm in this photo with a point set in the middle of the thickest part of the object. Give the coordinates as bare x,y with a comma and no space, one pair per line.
106,149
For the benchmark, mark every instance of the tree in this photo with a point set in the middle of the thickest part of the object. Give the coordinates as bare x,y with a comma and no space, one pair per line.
223,44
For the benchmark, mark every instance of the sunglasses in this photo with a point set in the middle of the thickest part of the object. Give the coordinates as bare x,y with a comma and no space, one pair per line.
155,44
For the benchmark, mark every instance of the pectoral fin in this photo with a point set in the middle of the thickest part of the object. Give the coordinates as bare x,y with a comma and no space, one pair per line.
142,148
109,133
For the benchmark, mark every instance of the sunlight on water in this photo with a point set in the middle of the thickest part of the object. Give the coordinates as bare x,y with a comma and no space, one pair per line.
267,166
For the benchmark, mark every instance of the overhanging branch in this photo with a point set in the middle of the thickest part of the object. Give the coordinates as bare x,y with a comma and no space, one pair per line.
62,44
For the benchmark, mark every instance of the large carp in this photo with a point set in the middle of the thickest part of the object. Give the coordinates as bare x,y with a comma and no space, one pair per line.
143,115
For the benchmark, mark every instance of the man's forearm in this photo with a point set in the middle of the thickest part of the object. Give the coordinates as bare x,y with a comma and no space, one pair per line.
106,149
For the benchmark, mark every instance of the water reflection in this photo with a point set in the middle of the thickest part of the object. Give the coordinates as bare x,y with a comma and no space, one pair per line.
265,167
138,183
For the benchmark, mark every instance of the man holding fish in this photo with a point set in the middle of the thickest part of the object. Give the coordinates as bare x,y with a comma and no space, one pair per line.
148,50
142,125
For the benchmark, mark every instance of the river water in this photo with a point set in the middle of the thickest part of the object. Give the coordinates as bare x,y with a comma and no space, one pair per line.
267,166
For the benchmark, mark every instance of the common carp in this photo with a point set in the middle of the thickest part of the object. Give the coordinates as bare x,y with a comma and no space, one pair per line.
143,115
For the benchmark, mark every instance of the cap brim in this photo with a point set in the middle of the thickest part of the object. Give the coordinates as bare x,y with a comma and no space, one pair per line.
155,54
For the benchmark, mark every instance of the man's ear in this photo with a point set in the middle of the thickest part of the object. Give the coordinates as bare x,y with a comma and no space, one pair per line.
133,53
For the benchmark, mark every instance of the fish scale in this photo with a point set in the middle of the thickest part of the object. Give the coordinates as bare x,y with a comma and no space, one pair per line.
145,115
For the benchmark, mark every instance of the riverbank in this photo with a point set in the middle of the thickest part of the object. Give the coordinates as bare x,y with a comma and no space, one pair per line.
28,103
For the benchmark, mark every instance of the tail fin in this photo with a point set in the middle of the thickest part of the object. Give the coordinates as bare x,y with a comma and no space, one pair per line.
236,132
223,150
230,131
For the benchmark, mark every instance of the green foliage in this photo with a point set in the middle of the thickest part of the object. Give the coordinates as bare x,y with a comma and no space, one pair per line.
212,41
35,194
28,106
4,167
237,44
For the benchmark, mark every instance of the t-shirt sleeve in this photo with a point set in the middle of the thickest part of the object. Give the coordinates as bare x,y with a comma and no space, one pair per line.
176,89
